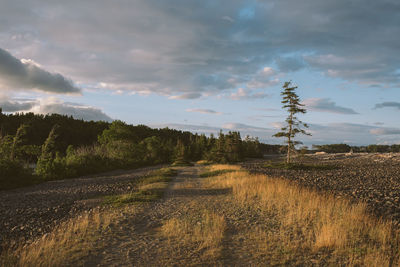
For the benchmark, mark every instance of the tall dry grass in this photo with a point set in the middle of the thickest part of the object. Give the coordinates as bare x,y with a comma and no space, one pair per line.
67,243
221,167
205,232
314,222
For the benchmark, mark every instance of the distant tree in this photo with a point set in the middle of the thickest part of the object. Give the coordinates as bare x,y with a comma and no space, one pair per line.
291,102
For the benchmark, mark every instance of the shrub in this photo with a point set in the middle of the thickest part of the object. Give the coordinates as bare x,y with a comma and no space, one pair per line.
13,174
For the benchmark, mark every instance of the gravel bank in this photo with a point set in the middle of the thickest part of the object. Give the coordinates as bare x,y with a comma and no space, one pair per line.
373,178
32,211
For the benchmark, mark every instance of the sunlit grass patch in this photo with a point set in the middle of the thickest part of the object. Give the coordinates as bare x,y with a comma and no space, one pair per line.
215,173
181,163
311,224
69,242
150,188
204,162
139,196
219,169
205,232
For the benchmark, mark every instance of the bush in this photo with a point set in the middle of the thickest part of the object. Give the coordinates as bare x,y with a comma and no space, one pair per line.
13,174
50,169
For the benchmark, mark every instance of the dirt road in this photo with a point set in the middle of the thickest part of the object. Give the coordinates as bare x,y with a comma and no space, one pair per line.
140,239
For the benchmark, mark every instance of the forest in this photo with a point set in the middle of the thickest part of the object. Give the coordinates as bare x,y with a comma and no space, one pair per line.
36,148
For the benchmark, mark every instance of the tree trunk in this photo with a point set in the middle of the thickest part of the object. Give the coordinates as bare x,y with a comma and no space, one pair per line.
289,138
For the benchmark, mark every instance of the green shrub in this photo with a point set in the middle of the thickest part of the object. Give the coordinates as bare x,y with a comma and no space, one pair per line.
13,174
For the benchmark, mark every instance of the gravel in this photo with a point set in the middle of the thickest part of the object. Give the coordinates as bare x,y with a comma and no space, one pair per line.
371,178
33,211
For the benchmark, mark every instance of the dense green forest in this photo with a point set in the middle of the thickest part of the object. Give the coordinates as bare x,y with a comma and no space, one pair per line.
36,148
60,147
344,148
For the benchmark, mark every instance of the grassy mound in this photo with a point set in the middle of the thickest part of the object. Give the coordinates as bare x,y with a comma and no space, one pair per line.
151,187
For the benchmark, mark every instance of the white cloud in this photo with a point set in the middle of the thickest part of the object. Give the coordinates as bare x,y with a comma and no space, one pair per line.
246,94
264,78
52,105
385,131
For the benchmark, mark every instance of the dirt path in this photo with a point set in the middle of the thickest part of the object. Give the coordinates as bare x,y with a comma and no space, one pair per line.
142,238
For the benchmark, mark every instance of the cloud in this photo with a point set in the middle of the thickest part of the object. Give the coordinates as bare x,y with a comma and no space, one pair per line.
327,105
186,96
229,19
243,94
53,105
385,131
289,64
204,111
146,44
13,106
388,104
26,74
263,79
77,111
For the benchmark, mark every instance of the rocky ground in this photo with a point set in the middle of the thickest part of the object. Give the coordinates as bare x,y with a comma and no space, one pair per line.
373,178
32,211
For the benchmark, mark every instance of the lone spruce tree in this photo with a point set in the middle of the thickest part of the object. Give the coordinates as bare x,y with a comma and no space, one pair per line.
291,102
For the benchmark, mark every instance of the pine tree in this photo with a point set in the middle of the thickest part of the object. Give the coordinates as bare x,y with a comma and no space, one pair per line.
19,140
291,102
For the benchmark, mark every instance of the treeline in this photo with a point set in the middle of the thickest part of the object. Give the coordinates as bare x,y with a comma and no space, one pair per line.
344,148
61,147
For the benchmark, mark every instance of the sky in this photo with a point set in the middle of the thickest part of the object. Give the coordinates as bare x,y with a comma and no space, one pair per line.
208,65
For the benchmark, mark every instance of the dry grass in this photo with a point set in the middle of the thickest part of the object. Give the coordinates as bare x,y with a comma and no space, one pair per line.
222,167
73,240
188,184
204,232
69,242
309,222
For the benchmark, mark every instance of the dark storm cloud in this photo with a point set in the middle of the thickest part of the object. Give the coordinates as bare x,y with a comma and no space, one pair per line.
188,45
25,74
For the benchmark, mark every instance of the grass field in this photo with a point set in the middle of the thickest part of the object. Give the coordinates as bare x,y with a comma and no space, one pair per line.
304,222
